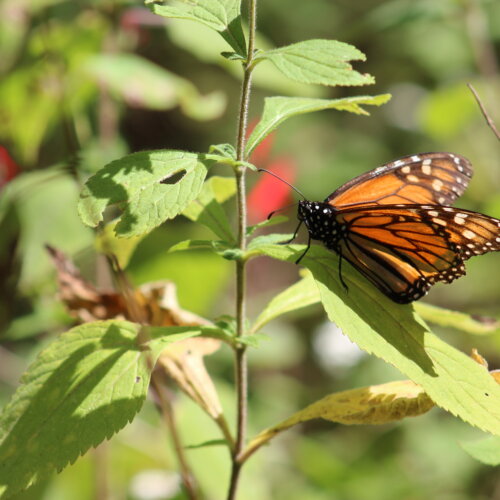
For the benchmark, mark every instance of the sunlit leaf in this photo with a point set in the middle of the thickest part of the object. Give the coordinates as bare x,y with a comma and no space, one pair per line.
84,387
377,404
149,187
322,62
220,15
301,294
279,109
398,335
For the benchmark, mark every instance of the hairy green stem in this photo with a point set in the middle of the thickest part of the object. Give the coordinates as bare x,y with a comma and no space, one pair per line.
241,372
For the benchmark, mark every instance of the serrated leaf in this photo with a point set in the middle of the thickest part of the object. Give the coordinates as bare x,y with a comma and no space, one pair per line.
207,209
485,450
323,62
149,187
83,388
458,320
373,405
222,16
398,335
279,109
301,294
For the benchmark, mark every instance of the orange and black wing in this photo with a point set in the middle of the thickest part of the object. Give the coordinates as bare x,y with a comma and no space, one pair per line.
403,251
427,178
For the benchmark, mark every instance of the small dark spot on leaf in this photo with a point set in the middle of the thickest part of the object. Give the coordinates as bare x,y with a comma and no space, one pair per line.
174,178
485,320
486,394
137,379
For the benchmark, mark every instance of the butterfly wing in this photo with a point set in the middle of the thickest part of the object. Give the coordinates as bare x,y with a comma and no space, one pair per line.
427,178
404,251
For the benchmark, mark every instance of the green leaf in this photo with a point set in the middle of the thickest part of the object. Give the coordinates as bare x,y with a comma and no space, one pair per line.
279,109
398,335
140,83
301,294
217,246
323,62
458,320
232,56
278,219
265,240
485,450
225,150
149,187
222,16
207,209
83,388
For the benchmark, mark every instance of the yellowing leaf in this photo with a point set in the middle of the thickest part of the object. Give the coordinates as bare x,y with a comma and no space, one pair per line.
377,404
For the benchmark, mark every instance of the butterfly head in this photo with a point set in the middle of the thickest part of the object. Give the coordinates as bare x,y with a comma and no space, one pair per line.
318,217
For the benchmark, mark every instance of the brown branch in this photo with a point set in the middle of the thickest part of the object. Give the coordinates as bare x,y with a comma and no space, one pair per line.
163,398
487,117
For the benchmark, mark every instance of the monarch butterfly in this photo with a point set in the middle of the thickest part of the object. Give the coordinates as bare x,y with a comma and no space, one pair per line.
395,226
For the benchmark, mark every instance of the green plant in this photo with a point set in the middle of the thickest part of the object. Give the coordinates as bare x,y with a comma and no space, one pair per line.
92,380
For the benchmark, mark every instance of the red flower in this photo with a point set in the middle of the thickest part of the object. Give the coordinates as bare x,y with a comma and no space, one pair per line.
269,193
8,167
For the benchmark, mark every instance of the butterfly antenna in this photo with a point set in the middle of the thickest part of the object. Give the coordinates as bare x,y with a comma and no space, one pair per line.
280,209
281,179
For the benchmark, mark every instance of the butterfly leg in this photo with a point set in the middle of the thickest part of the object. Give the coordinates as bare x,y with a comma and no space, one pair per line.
306,250
339,251
294,234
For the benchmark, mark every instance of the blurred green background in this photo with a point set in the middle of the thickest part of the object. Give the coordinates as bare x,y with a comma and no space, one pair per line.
82,83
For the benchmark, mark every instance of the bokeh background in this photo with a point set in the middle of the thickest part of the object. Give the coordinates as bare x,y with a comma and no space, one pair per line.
82,83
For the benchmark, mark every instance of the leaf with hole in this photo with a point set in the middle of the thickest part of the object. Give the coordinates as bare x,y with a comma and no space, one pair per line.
148,187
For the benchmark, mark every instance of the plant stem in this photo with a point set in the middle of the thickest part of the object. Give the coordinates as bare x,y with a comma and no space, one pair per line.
241,371
166,410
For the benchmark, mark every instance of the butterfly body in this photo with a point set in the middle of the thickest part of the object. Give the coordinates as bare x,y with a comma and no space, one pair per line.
321,221
390,225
